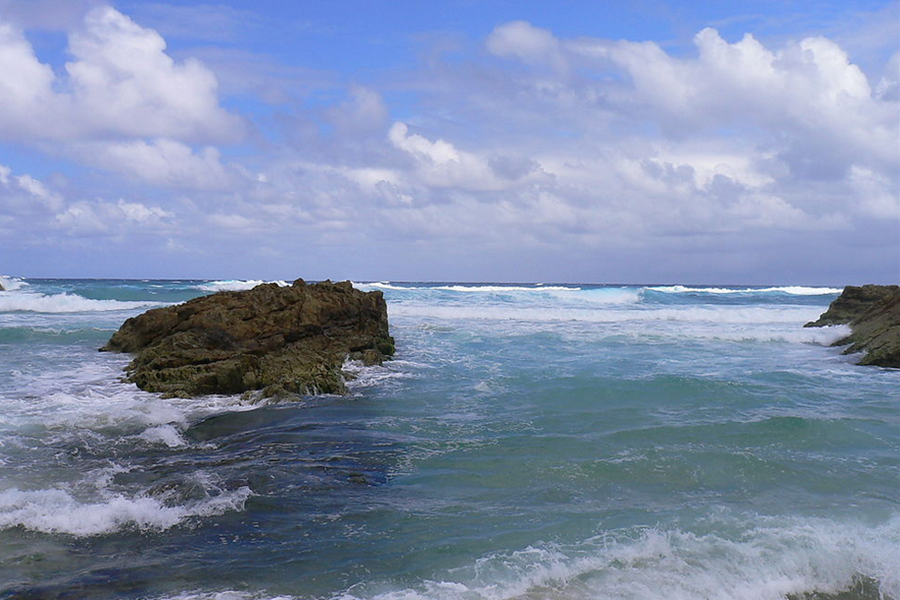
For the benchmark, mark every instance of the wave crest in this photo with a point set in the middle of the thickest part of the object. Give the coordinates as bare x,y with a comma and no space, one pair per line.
235,285
57,511
769,562
794,290
63,303
12,283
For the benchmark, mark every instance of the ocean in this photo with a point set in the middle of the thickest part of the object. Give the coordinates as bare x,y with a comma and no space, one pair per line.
530,441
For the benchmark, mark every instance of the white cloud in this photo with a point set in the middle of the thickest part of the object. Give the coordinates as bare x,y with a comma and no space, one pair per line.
532,45
27,100
161,162
363,112
24,196
107,218
440,164
120,83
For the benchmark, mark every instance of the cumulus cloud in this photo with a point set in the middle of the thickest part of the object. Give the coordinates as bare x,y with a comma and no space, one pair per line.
120,83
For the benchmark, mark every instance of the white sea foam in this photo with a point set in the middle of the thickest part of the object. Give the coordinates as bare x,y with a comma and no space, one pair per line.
600,295
57,511
166,434
11,283
796,290
500,289
710,314
383,285
63,303
235,285
91,397
766,562
375,375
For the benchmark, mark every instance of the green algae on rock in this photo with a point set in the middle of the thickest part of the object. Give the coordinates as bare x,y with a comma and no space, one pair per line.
273,340
873,313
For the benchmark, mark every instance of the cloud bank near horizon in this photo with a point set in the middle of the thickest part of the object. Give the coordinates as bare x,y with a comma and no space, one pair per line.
525,155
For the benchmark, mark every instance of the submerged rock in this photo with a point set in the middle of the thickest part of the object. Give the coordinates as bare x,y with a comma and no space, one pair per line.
278,340
873,313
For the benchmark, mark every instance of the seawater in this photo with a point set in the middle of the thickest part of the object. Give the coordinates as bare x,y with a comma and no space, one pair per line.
528,441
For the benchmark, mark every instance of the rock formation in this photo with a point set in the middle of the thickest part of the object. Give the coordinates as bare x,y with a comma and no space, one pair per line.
853,302
873,313
277,340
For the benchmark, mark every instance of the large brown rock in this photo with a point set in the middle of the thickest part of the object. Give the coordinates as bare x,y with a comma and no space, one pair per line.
873,313
853,302
278,340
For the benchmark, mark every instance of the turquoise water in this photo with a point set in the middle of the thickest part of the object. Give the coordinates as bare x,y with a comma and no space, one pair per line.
529,441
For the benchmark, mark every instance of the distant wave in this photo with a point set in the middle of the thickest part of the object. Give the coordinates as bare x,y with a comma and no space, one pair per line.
706,314
384,285
796,290
235,285
63,303
506,288
11,283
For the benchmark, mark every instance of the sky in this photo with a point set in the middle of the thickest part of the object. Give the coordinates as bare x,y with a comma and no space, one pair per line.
452,140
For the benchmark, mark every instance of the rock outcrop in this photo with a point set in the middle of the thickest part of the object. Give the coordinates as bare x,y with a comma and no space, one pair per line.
853,303
277,340
873,313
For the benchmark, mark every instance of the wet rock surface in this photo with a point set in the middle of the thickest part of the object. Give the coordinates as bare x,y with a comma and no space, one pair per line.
873,313
272,340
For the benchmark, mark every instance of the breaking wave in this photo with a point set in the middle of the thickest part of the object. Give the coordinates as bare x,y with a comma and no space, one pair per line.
499,289
383,285
235,285
11,283
63,303
795,290
710,314
57,511
772,561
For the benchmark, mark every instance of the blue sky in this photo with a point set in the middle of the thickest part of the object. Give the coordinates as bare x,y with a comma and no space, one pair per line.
727,142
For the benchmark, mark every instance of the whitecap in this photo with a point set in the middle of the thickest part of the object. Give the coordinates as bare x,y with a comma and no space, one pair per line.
767,561
235,285
64,303
383,285
12,283
500,289
57,511
690,314
795,290
166,434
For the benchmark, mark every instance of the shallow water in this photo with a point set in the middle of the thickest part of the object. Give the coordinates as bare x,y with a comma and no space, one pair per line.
539,442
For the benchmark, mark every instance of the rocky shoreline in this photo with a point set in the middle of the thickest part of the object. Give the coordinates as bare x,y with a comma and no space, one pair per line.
270,341
873,314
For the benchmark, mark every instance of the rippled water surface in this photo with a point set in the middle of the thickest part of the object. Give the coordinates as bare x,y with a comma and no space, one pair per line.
528,441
